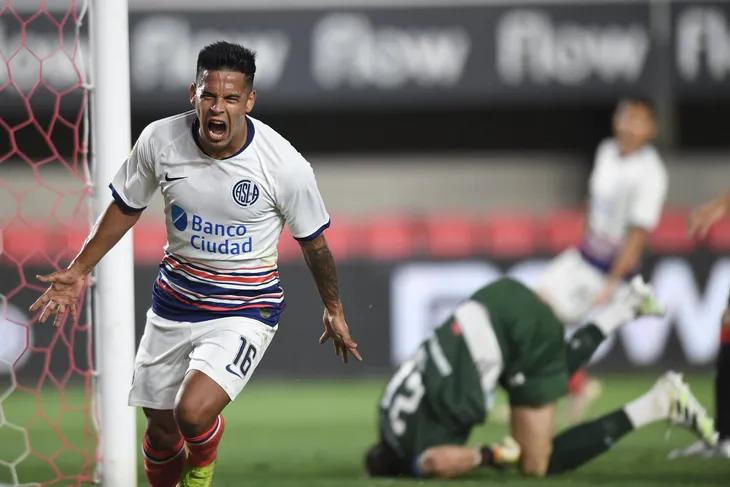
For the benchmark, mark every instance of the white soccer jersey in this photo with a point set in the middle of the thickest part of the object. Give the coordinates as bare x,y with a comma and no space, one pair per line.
624,192
223,217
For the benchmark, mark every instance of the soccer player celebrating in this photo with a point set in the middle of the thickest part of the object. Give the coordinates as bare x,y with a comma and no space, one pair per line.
700,223
229,183
505,334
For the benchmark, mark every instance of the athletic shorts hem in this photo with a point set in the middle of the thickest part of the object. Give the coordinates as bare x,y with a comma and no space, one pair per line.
539,391
141,403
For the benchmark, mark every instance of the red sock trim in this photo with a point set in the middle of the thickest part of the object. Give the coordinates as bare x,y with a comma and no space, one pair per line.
725,335
203,449
162,456
203,438
578,381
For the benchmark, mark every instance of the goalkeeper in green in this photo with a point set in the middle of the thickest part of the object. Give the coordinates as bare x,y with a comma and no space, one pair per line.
505,334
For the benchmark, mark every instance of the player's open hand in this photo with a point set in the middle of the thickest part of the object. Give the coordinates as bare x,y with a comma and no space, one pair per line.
62,296
705,216
336,328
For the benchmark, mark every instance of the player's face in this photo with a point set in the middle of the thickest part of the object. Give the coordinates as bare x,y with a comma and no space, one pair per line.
222,99
633,126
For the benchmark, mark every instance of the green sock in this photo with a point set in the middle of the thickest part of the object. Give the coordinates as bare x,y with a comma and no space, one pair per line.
581,346
579,444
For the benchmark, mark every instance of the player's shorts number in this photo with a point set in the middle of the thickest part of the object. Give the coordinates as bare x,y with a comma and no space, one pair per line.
244,357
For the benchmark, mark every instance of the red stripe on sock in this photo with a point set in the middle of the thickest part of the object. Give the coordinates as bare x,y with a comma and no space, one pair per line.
203,449
161,456
202,438
163,467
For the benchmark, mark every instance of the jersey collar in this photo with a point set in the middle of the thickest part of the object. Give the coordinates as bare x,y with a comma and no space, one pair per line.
249,137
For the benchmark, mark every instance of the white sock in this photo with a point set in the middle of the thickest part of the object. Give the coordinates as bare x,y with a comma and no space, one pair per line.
647,408
611,317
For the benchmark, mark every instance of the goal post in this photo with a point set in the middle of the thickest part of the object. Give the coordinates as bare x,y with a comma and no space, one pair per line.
114,278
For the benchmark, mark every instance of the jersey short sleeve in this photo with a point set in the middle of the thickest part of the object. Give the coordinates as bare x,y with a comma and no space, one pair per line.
135,181
648,198
300,202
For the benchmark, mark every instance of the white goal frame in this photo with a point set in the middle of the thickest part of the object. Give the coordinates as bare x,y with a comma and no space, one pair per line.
114,275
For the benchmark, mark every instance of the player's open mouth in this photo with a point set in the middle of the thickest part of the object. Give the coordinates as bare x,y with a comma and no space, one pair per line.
217,130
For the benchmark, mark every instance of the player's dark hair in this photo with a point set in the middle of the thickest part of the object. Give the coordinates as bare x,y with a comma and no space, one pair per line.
226,56
382,461
635,99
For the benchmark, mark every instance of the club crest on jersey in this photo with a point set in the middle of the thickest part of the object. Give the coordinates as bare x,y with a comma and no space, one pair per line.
245,192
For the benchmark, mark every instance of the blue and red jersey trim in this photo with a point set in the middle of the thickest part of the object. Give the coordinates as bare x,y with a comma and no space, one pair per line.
186,291
316,234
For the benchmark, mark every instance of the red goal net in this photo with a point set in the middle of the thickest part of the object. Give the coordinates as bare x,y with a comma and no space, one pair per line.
47,433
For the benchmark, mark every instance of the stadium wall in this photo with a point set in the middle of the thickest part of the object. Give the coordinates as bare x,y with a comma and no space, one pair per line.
399,278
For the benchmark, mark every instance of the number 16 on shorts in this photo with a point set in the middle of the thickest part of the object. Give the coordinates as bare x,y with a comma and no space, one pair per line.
244,359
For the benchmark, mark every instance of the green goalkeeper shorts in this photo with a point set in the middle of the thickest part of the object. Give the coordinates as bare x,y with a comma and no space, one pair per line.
532,340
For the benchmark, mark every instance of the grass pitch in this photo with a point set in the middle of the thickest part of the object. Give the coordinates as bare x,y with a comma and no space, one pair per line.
300,434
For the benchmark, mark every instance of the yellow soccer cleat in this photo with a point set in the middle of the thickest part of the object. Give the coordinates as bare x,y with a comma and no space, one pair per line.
685,409
198,476
641,297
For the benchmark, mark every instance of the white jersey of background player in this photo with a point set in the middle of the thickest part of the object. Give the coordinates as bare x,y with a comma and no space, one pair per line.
229,183
627,189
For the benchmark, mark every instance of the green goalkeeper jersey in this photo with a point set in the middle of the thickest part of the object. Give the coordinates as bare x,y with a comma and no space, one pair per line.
504,334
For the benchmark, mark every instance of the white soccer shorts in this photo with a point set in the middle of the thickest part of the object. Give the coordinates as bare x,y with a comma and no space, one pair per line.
225,349
570,285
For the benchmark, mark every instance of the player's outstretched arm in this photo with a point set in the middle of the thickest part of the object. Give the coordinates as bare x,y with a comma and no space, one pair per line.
625,262
322,265
706,215
64,292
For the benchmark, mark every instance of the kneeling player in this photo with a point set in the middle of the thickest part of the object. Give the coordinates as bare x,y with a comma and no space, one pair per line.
505,334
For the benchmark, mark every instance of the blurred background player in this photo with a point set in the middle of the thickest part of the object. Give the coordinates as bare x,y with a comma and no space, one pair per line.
505,334
229,182
627,189
700,223
626,192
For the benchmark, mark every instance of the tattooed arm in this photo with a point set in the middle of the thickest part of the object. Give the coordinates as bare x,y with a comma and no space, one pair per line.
322,266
